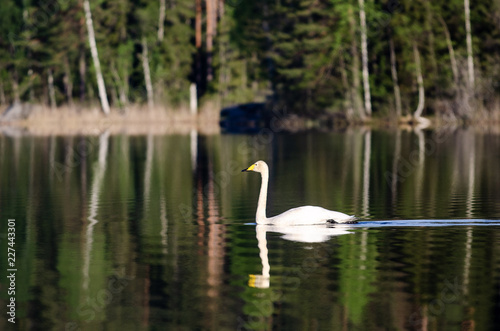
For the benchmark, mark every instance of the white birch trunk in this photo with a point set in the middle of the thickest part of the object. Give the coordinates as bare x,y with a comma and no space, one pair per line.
161,20
147,73
454,67
470,61
364,58
52,93
394,73
95,58
357,103
420,82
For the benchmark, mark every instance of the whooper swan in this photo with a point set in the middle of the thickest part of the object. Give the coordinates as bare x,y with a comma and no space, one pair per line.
305,215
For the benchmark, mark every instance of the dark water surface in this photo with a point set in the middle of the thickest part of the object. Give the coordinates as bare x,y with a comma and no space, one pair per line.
157,232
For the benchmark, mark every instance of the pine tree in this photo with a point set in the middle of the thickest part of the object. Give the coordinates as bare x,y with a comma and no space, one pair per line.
302,53
11,54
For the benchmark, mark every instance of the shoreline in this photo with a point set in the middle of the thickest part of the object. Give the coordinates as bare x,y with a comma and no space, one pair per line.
65,121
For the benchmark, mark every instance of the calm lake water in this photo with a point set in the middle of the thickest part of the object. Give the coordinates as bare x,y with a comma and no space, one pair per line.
157,232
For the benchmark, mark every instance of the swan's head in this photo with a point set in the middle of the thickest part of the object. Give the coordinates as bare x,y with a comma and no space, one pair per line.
259,166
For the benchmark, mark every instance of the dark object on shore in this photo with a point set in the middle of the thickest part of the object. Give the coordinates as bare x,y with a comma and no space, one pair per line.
244,118
16,111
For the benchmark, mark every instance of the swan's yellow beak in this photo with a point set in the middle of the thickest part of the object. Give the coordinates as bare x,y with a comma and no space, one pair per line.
250,168
251,280
258,281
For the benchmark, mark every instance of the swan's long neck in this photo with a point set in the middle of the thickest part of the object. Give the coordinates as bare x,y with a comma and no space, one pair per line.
261,207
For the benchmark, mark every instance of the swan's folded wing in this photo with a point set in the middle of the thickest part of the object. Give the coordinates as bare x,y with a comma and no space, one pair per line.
307,215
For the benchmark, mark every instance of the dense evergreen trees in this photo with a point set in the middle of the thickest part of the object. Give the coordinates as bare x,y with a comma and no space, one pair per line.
425,57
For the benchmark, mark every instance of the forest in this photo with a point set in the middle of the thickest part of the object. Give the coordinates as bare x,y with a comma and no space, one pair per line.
389,58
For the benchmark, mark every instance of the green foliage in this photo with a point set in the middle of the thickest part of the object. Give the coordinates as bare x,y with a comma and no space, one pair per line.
305,54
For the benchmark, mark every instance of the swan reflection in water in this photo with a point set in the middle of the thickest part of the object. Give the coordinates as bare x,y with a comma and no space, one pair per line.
321,233
304,233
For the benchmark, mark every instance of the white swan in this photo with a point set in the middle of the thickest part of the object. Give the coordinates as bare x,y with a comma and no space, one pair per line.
305,215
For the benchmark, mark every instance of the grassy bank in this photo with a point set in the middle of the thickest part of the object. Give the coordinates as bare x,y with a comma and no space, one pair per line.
140,120
134,120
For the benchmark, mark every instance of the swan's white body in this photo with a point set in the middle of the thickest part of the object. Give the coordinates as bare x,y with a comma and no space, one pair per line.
306,215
